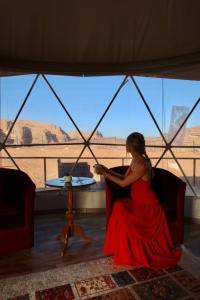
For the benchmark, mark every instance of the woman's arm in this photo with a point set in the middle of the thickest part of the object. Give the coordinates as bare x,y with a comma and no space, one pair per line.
139,170
116,174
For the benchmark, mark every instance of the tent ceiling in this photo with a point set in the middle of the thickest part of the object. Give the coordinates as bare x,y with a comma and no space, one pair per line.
158,38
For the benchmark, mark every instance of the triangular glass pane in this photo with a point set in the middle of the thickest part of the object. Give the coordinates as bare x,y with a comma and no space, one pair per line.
34,167
42,120
154,153
128,114
42,163
111,156
85,98
168,163
13,92
196,174
5,160
170,101
28,159
190,133
152,90
84,166
66,160
190,163
187,164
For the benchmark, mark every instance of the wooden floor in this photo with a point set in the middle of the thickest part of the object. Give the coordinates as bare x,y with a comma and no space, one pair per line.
46,252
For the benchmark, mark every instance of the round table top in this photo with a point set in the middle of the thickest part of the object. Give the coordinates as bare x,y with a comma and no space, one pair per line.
76,181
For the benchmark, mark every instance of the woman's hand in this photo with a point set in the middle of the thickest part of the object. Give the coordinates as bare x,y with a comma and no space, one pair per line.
100,169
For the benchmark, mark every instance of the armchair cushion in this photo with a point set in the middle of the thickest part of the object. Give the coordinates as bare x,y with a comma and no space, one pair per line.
10,216
17,193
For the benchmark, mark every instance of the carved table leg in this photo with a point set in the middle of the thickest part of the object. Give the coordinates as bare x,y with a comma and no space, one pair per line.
70,228
79,231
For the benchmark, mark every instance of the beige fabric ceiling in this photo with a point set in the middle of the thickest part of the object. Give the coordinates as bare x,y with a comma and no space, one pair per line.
90,37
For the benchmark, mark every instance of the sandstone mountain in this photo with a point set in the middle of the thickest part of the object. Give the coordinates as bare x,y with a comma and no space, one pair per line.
29,132
75,135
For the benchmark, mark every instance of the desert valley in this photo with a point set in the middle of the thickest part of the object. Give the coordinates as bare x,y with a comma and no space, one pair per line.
47,154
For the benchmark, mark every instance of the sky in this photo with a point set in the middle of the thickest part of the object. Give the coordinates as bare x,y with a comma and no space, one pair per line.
86,98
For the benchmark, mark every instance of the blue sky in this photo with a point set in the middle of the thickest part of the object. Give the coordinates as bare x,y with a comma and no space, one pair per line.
87,97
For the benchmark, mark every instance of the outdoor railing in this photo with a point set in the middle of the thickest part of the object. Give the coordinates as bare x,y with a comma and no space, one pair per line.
122,159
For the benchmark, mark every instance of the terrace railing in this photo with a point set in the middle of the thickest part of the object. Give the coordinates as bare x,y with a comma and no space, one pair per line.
122,160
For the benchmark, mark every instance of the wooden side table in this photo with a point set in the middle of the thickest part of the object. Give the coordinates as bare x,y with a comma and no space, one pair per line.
70,228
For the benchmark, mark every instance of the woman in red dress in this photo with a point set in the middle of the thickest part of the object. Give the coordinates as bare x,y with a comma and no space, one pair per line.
138,232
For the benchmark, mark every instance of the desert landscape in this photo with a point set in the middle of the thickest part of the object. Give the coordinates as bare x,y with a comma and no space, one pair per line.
34,160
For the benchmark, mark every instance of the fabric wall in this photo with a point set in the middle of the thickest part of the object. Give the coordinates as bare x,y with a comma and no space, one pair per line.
139,37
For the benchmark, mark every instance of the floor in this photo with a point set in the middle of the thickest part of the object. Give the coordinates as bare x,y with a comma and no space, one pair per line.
46,253
192,239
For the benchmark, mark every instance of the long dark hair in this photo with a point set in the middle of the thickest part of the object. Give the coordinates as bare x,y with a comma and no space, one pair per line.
137,143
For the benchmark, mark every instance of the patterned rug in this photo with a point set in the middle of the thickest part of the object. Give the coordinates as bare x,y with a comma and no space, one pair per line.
101,280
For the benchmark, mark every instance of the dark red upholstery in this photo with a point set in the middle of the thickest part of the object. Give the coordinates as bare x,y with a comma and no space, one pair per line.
17,192
170,190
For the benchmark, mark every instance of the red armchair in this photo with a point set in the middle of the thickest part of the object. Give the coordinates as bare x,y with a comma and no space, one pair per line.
17,193
170,190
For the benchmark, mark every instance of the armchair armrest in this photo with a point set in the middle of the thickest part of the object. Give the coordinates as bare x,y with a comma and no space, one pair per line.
114,191
180,202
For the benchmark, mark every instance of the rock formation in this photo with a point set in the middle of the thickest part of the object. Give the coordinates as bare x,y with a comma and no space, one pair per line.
31,132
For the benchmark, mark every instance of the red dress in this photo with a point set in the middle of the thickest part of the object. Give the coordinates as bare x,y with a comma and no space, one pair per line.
138,232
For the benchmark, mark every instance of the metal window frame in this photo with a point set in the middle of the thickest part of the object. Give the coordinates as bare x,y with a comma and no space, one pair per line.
87,142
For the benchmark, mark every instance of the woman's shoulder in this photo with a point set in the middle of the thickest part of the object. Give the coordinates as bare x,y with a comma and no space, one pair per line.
141,162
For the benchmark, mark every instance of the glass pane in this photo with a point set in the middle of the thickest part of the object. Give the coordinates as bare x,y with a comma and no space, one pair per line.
181,95
187,165
5,161
83,168
42,120
13,92
170,101
86,98
111,156
128,114
58,156
34,167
